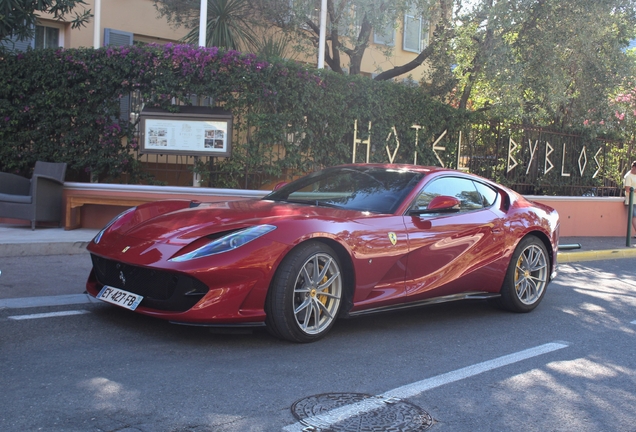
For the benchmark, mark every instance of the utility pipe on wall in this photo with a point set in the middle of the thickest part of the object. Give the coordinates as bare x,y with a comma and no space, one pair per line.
630,215
97,22
203,27
323,34
203,22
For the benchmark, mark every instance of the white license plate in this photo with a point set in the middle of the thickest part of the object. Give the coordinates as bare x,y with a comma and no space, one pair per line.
120,297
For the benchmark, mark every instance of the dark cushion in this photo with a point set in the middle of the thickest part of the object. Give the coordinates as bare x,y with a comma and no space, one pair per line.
21,199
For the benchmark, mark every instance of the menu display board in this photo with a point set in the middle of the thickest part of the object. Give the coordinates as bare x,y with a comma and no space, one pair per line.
194,131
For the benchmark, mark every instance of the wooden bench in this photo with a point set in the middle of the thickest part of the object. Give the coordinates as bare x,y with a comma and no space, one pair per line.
74,202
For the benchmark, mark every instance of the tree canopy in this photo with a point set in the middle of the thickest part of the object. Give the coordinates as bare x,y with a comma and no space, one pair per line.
552,62
547,61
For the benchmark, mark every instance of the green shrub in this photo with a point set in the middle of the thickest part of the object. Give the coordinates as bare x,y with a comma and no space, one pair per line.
63,105
289,119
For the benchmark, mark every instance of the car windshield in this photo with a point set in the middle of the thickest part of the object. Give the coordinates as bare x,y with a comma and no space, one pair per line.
372,189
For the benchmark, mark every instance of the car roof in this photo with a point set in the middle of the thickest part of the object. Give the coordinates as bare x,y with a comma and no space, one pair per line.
427,170
408,167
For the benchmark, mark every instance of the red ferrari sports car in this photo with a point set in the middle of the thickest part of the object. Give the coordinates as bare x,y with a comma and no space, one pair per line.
340,242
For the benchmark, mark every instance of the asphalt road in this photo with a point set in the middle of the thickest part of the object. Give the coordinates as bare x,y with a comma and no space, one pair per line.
569,365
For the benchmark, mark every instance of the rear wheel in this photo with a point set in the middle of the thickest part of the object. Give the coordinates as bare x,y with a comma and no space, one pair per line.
305,296
527,276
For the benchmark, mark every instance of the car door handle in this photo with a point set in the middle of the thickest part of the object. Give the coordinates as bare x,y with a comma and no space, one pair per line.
497,230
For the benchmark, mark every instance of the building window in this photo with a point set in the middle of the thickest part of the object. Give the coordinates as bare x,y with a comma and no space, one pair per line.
350,23
300,11
384,36
47,37
415,32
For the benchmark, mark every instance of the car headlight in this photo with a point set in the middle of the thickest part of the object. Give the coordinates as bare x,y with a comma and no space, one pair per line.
226,243
99,235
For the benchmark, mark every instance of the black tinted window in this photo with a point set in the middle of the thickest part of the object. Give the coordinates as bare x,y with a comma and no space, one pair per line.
355,188
488,194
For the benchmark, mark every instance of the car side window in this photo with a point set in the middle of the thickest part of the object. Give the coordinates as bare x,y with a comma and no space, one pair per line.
488,194
462,189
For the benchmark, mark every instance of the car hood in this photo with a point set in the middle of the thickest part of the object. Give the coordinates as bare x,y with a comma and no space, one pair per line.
181,222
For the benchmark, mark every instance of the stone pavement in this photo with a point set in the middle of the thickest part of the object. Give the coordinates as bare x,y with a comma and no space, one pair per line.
20,240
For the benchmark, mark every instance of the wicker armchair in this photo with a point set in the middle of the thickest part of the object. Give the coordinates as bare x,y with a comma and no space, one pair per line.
36,199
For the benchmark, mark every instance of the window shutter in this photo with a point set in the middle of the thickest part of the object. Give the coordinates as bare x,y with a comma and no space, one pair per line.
412,33
114,37
384,36
415,31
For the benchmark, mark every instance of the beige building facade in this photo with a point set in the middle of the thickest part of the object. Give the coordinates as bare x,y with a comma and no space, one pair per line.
124,22
137,18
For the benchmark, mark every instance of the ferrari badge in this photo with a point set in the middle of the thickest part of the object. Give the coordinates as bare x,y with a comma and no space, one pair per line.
393,238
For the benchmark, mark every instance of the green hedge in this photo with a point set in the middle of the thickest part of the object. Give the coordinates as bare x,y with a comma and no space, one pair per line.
63,105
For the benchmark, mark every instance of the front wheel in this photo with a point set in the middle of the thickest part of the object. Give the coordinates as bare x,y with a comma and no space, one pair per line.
305,296
527,276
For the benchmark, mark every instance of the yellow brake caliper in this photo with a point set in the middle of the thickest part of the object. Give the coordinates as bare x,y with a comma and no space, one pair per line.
323,298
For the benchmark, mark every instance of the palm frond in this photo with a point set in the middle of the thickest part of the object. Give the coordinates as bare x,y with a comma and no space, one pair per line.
274,46
229,26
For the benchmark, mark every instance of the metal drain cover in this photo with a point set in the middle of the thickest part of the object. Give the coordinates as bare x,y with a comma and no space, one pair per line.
395,415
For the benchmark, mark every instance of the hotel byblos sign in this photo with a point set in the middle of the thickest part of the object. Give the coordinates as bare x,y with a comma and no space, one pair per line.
193,131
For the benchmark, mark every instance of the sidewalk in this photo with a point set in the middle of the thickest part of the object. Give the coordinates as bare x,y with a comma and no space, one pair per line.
20,240
595,249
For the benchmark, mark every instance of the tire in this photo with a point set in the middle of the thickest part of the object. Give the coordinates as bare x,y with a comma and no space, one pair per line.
527,277
304,298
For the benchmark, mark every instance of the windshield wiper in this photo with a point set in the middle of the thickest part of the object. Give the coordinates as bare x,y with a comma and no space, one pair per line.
316,203
327,204
295,201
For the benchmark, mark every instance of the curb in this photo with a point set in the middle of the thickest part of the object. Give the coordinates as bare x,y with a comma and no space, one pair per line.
597,255
45,301
51,248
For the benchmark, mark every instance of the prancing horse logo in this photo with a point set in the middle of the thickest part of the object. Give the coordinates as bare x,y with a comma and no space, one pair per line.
393,238
122,278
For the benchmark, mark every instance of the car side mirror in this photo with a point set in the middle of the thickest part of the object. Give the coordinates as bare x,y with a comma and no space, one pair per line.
440,204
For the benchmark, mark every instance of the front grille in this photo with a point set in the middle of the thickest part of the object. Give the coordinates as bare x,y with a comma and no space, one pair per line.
161,289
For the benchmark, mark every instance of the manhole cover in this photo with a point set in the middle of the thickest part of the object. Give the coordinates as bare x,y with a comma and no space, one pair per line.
392,415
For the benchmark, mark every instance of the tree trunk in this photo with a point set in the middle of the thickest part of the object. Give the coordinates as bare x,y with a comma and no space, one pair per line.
400,70
440,31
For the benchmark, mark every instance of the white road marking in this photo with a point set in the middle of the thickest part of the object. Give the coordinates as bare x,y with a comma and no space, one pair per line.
49,315
58,300
323,421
